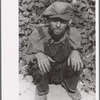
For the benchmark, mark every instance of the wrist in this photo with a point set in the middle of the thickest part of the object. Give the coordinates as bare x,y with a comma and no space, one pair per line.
76,51
38,53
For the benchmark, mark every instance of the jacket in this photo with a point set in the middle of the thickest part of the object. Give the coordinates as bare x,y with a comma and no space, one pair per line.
40,35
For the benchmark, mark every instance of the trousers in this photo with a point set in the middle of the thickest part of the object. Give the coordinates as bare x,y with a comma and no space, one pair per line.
60,72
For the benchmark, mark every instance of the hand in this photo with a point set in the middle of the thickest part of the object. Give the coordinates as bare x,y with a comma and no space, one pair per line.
75,61
43,62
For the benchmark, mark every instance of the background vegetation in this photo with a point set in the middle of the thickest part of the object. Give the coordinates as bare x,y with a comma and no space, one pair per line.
84,20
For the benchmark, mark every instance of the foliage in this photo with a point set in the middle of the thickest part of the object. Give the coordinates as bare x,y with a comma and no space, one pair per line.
84,20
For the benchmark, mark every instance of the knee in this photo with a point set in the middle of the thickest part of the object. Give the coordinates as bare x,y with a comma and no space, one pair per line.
35,72
38,76
80,70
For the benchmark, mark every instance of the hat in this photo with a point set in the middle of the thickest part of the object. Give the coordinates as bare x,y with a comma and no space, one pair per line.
59,10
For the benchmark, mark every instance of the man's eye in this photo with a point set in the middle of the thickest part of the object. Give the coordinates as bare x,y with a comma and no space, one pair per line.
56,20
63,21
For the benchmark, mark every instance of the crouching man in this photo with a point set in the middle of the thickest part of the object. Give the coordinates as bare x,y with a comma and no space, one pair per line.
53,53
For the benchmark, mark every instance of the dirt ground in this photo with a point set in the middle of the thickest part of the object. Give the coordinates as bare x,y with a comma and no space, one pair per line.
27,91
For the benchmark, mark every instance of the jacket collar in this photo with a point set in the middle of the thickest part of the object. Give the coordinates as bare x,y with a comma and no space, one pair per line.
50,40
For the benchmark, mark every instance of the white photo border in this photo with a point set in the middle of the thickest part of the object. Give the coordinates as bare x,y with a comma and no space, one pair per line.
10,46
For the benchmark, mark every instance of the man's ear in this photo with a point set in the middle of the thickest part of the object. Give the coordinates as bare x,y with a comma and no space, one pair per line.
70,21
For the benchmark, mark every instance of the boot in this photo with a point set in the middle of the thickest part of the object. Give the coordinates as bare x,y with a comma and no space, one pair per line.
42,97
75,96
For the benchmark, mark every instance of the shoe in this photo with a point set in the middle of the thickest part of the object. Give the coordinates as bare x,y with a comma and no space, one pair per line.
42,97
75,96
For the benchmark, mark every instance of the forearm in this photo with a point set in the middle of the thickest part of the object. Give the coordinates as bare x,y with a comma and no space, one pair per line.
29,58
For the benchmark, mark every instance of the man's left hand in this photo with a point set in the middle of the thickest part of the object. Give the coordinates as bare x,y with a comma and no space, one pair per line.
75,61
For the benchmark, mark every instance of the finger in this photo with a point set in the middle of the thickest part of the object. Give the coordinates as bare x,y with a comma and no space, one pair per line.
51,59
48,63
78,66
43,67
72,64
68,61
46,66
75,66
39,65
81,64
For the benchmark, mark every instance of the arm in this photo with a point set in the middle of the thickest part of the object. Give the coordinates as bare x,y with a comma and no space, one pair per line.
35,45
74,59
35,52
75,39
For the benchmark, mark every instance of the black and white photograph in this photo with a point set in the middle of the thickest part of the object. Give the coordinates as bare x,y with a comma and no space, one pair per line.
57,46
56,51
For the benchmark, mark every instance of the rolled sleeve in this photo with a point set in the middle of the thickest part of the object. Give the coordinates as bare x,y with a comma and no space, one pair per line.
35,43
75,39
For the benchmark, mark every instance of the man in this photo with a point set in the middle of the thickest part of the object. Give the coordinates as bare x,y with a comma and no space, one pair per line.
53,53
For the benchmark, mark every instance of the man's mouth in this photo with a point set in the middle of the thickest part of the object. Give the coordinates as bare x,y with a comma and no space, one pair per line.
57,31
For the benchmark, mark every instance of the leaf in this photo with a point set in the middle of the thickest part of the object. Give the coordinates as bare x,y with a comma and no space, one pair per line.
74,1
84,1
52,1
20,29
34,15
86,46
92,38
24,38
86,86
84,41
21,17
83,6
21,23
85,15
87,71
26,19
29,7
27,2
22,48
42,1
26,33
83,31
91,16
90,11
39,5
84,36
90,57
20,53
23,7
20,40
26,13
22,32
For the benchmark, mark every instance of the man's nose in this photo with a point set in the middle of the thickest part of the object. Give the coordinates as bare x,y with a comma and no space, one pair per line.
58,24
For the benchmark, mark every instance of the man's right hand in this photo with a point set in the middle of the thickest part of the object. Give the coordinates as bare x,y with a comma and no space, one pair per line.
43,62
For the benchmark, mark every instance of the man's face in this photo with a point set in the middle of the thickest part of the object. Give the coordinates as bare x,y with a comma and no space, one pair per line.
57,28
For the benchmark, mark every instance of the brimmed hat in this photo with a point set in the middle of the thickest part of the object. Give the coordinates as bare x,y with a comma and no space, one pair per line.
59,10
